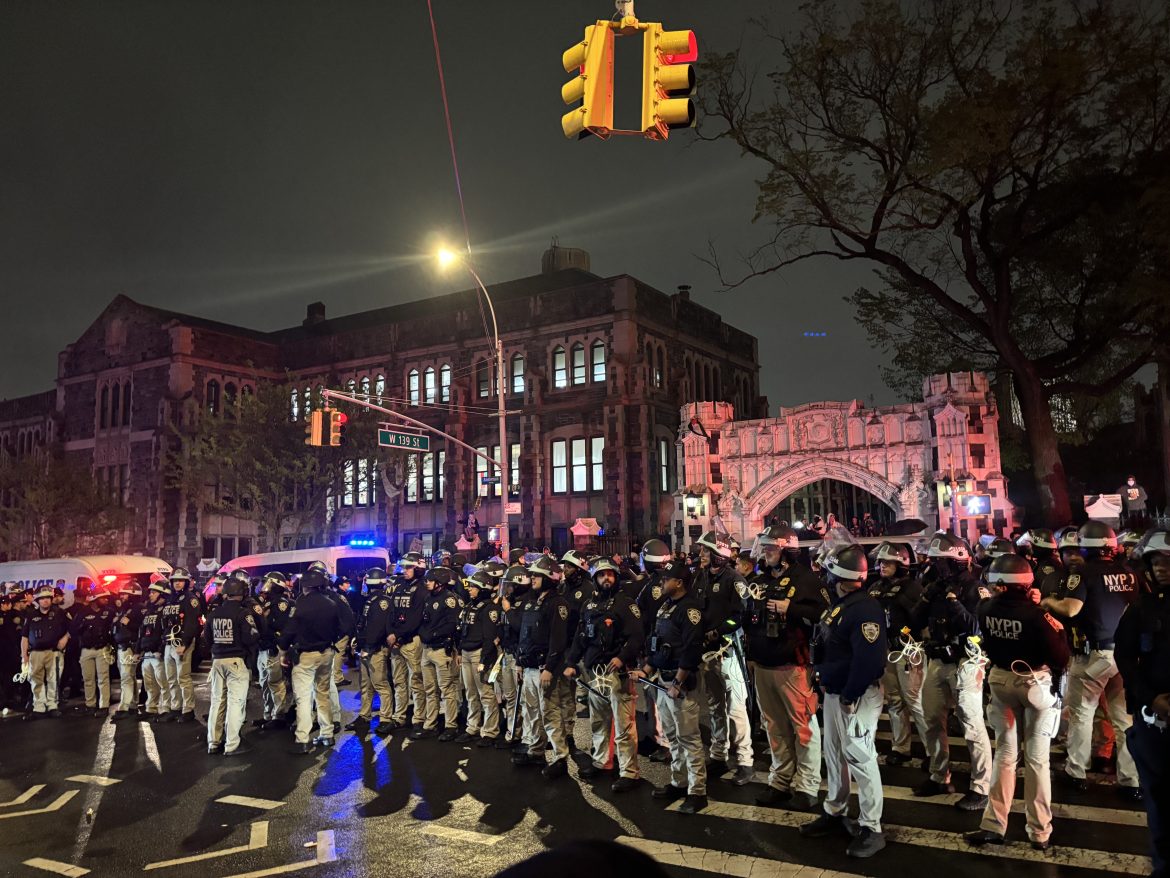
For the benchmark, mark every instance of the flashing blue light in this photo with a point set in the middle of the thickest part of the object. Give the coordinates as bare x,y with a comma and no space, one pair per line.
361,543
601,531
815,334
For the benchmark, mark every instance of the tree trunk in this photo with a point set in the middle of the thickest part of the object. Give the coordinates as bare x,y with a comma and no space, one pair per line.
1162,407
1046,463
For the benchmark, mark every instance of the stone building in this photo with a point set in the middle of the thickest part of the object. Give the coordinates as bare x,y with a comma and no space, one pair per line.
597,369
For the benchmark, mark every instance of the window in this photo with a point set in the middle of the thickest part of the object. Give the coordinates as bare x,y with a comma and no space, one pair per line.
428,477
656,378
307,403
412,386
596,461
597,358
411,468
445,383
441,475
517,373
209,547
115,405
483,387
365,387
429,383
380,386
560,376
514,469
559,466
363,482
244,546
663,466
211,397
126,404
103,410
351,385
347,489
578,364
227,548
481,470
229,399
580,466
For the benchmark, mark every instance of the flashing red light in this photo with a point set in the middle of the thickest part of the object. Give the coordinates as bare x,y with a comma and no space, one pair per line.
691,55
342,418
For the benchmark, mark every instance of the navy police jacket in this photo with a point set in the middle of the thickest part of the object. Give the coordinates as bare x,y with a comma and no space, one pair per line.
850,649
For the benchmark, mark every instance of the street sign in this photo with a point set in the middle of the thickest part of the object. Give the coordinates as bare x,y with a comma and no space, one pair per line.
409,441
489,480
512,508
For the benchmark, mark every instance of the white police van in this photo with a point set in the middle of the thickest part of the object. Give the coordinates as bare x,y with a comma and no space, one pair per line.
69,573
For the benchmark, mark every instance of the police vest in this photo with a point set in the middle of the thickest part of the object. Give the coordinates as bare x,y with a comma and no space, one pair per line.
534,633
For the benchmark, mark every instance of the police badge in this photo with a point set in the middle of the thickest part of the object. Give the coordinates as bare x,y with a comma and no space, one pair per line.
694,615
870,631
1074,579
656,592
563,612
451,601
634,609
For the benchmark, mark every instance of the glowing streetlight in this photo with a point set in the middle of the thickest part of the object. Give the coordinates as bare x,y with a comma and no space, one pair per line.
446,257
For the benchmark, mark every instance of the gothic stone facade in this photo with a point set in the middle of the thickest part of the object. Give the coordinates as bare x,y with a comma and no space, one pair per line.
902,454
597,367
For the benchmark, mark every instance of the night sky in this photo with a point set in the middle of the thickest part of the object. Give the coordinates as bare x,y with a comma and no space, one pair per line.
238,160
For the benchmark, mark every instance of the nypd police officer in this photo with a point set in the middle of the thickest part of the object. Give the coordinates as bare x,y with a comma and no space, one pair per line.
46,633
437,632
315,625
230,637
374,657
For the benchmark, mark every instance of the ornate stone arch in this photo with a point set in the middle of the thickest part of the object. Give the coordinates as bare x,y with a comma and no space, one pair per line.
804,472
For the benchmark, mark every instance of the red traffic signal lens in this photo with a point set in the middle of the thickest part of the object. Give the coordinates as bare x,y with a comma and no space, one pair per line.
341,417
689,56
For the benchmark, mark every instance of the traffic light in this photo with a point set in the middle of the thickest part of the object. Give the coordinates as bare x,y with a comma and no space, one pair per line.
592,58
313,428
668,80
337,428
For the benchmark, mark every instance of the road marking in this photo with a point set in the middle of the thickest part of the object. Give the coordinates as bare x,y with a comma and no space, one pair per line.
249,802
258,839
150,745
450,832
326,853
56,805
53,866
1128,864
94,779
23,797
706,860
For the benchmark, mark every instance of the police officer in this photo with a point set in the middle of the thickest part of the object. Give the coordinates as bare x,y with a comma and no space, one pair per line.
654,555
45,635
510,594
437,633
785,601
476,637
275,609
718,589
180,617
1143,657
374,657
608,643
542,641
850,659
93,629
152,633
127,622
1038,545
673,654
11,628
899,593
315,626
954,673
1093,601
1028,653
575,586
230,638
408,601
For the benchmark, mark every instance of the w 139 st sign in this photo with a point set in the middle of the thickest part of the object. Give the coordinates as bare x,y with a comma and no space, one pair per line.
409,441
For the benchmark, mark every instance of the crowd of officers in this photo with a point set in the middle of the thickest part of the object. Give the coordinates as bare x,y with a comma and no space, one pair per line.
1058,634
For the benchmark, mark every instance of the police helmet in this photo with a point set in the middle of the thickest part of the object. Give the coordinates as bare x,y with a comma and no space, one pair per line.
441,558
1067,538
442,576
44,592
411,559
1010,569
1155,542
778,535
1037,537
160,588
719,544
516,556
576,559
1128,539
601,565
312,579
847,564
480,580
494,569
896,552
375,577
516,576
181,574
1097,535
547,567
237,586
949,546
1000,546
241,575
318,567
654,554
131,589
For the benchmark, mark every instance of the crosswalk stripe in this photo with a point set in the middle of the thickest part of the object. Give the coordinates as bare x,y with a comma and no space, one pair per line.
1128,864
740,865
56,805
326,853
94,779
258,838
23,797
67,869
249,802
450,832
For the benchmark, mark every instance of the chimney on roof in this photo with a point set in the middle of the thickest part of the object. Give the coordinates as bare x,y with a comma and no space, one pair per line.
314,314
684,292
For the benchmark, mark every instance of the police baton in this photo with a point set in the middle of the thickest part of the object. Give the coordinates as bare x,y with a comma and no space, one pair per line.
659,686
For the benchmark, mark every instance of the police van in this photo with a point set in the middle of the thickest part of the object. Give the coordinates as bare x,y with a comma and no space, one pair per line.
70,573
351,561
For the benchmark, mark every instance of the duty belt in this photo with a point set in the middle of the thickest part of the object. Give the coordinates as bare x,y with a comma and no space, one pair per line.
1101,644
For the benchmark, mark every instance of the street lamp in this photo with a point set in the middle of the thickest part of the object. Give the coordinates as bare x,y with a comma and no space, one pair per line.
692,503
447,257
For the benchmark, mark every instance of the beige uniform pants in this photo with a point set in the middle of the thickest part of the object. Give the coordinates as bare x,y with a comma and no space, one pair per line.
617,712
230,679
541,714
95,674
726,693
850,752
127,680
957,685
902,684
439,684
789,706
338,674
154,681
1024,713
44,672
273,689
406,664
507,694
310,682
1090,678
178,678
680,726
375,679
483,711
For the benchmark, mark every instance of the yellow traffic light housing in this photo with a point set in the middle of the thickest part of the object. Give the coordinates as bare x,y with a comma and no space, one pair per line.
314,428
593,85
337,422
668,80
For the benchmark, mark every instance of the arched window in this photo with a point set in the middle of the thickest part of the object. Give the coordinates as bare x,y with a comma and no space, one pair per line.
351,385
445,383
212,397
126,404
429,383
365,386
517,373
229,395
482,380
597,360
115,406
412,386
560,374
380,386
578,363
246,391
103,410
294,404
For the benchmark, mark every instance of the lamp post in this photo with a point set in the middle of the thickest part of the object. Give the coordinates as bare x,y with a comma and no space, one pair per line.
446,258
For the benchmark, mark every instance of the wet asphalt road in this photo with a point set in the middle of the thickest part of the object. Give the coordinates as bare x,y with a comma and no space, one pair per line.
80,793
